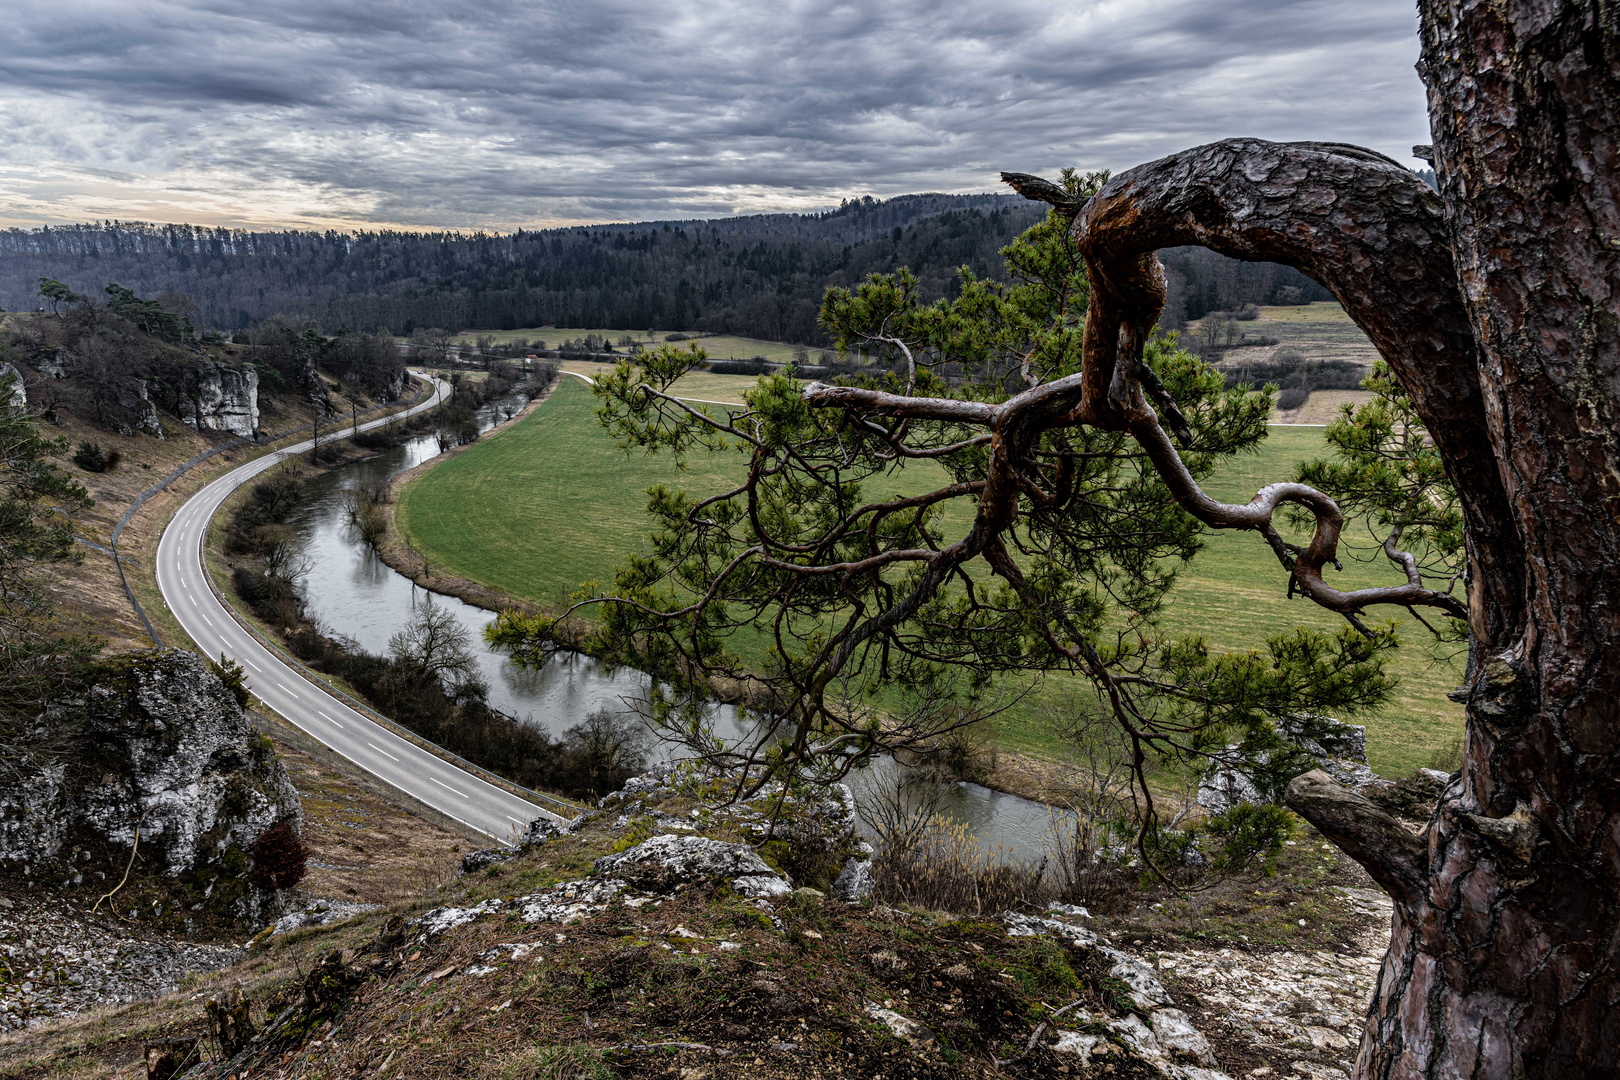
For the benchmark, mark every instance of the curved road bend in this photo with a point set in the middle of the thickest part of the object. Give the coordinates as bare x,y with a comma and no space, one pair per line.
425,777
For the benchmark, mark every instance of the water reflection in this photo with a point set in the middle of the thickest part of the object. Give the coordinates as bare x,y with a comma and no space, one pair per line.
1019,827
353,594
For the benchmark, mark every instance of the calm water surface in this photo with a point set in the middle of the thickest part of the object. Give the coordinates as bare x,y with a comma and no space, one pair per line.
353,594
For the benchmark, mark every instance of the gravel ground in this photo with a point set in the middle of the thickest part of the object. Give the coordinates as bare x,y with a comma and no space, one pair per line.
56,959
1285,1013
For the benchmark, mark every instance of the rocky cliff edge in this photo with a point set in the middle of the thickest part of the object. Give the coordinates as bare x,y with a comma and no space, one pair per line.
158,746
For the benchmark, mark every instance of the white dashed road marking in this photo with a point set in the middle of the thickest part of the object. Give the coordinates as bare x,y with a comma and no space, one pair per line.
447,787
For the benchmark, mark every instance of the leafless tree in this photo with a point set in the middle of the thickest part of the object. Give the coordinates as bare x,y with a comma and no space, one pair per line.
434,643
279,550
608,746
898,803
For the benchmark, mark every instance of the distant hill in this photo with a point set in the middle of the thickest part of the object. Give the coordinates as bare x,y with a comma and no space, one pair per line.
758,276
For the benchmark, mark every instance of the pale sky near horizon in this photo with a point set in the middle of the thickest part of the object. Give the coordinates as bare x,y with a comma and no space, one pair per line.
459,115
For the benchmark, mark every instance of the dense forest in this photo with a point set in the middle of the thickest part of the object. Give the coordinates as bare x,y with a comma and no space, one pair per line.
759,276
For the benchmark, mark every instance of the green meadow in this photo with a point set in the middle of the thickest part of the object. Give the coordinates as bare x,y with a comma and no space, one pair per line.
717,346
550,503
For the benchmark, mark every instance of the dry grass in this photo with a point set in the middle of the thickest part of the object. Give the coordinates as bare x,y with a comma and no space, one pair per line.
1323,406
91,596
945,867
362,846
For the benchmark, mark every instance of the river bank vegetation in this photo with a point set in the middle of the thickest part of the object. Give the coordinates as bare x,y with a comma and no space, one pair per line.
556,475
427,681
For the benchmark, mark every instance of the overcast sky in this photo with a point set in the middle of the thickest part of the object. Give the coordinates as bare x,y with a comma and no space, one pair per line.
498,115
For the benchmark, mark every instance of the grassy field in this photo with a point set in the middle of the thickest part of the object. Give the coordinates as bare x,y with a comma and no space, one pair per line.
551,503
700,385
1322,332
718,346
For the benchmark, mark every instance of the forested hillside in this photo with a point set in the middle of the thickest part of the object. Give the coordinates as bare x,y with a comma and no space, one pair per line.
761,276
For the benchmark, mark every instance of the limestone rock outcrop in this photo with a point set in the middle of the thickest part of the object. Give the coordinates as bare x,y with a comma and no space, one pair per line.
136,397
159,744
659,864
1154,1031
1339,748
222,398
18,396
52,363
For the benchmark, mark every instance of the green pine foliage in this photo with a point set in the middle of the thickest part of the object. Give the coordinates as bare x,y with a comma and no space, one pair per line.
817,556
37,660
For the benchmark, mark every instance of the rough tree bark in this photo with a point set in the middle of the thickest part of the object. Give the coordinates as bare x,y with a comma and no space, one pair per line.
1508,963
1498,306
1499,310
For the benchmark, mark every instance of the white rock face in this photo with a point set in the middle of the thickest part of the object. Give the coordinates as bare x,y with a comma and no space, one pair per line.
1309,1002
854,884
568,902
1179,1040
659,779
135,399
221,398
53,364
19,396
1031,926
661,863
321,913
166,749
1339,748
442,919
1147,993
572,901
1156,1032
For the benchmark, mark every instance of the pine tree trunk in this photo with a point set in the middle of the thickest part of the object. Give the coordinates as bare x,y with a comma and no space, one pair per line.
1505,959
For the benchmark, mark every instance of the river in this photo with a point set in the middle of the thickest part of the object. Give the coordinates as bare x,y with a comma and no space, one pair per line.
353,594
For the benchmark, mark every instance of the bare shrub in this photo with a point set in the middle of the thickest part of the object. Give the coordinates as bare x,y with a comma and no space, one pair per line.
898,805
944,867
1293,397
963,752
1090,844
279,858
435,645
363,504
925,860
607,748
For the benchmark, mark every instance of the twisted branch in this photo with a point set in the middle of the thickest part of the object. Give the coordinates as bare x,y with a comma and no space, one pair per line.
1355,220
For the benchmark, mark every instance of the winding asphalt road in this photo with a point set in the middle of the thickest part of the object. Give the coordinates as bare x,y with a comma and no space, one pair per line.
182,579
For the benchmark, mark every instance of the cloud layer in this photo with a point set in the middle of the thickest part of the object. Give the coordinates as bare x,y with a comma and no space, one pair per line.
503,114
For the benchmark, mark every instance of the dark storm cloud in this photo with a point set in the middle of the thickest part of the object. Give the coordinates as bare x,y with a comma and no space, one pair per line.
462,114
